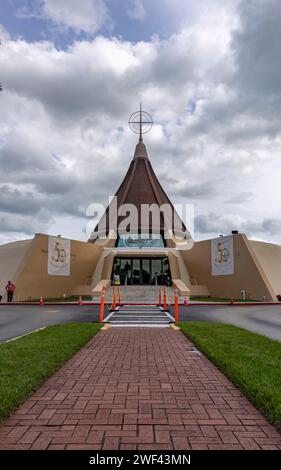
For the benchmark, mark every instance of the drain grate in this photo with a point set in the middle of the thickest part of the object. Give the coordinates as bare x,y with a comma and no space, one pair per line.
194,350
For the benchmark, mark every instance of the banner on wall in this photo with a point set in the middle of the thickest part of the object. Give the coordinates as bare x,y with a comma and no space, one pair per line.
222,256
58,256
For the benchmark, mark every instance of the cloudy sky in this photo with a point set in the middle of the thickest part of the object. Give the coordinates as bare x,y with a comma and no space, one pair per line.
73,71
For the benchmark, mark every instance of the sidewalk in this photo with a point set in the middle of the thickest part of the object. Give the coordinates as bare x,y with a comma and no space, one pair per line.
138,388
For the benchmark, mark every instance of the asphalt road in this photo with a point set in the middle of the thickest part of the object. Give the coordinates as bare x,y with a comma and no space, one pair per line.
262,319
19,320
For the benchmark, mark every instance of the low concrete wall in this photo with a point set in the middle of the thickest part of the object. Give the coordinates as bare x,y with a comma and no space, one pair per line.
199,291
182,288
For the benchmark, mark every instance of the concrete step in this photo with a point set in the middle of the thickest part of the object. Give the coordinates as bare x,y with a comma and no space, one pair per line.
137,325
142,316
137,294
138,322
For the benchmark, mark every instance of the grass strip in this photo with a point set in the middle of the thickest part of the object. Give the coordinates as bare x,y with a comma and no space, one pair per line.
28,361
250,361
219,299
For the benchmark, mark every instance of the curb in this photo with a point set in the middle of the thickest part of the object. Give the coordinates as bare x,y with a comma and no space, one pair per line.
36,304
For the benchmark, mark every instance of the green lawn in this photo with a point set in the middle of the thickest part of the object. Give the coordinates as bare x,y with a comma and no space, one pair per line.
72,298
27,362
218,299
251,361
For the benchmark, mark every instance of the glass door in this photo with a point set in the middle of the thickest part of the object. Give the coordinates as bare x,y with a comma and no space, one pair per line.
136,271
166,272
156,272
145,271
125,271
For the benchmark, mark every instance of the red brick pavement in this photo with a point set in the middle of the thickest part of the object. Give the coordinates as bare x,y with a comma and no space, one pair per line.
138,388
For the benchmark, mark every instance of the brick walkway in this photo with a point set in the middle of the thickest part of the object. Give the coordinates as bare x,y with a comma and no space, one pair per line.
138,389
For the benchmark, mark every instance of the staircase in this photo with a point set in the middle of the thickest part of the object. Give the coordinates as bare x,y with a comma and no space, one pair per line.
140,294
139,316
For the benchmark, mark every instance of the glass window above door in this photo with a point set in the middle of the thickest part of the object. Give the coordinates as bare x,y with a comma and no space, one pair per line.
144,240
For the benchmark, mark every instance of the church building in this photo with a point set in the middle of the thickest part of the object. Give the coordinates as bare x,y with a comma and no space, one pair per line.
157,250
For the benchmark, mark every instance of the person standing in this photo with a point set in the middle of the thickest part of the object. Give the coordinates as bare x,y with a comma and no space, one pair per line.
10,288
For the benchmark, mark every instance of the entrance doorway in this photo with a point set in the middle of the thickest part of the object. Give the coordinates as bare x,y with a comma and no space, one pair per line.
141,271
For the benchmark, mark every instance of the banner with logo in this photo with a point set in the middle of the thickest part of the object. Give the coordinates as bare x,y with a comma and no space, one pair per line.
58,256
222,256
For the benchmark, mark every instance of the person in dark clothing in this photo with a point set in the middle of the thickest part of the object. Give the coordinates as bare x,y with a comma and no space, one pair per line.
169,281
10,288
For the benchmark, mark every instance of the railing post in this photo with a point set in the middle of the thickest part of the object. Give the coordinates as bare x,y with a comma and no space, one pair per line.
114,299
231,301
160,297
119,297
41,301
165,298
80,300
176,306
102,305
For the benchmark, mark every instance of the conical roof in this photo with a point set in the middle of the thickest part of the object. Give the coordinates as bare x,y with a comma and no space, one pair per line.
141,186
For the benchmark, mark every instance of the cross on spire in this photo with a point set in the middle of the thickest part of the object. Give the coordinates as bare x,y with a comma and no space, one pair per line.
140,122
140,139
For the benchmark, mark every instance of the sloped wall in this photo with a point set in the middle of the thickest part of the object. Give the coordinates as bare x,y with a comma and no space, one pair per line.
33,280
269,255
11,257
249,274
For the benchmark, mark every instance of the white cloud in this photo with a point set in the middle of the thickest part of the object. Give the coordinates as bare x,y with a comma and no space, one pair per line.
4,34
79,15
137,10
214,224
64,141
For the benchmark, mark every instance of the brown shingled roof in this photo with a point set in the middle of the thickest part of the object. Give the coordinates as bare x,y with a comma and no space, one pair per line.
141,186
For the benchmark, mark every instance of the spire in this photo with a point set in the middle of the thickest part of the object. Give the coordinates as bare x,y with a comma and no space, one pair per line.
140,139
140,151
140,186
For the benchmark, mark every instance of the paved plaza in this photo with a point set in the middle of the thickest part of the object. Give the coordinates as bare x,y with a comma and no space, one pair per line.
138,388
